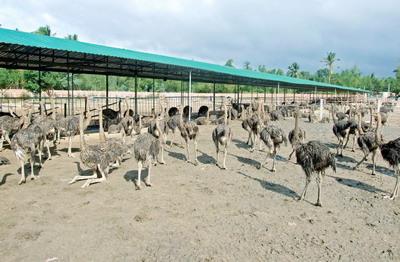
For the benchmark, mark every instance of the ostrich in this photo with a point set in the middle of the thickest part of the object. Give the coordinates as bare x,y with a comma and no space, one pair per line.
391,152
189,131
384,118
340,129
173,111
94,157
297,135
9,126
203,110
369,143
113,146
28,140
354,130
273,137
259,121
4,161
222,135
48,126
160,131
126,122
146,148
173,123
203,120
314,157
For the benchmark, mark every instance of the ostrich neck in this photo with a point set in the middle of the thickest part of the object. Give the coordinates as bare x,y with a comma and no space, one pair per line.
333,116
377,131
103,138
296,123
359,123
89,116
81,134
53,108
371,122
225,115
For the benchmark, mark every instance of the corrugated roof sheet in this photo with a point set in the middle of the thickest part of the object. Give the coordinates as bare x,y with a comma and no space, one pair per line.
39,41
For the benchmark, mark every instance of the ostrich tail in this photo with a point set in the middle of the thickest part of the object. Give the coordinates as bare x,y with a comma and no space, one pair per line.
285,140
333,162
20,153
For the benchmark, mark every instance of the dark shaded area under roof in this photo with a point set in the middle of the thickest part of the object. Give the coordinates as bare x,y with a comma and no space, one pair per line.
21,50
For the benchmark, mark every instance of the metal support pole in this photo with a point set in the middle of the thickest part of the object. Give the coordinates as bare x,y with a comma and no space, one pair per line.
315,94
284,96
294,95
106,91
136,87
182,102
72,93
40,90
265,94
69,96
277,95
190,90
214,97
154,98
321,108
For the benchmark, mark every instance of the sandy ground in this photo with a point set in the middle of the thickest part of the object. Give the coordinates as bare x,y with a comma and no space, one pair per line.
203,213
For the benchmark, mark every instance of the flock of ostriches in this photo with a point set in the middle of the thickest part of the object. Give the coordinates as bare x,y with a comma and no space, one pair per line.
28,137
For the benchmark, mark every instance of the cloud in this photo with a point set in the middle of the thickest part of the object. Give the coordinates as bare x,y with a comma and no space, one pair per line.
271,33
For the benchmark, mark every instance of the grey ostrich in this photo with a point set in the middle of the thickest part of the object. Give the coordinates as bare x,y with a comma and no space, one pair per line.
127,122
340,129
203,120
146,148
28,140
189,131
314,157
72,127
114,147
369,143
297,135
222,135
93,156
173,123
10,125
161,131
273,137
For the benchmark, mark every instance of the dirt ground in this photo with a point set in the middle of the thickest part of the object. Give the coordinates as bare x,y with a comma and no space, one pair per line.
202,213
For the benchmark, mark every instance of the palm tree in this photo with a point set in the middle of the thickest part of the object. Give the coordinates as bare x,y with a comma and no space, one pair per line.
229,63
72,37
328,61
247,65
44,30
294,70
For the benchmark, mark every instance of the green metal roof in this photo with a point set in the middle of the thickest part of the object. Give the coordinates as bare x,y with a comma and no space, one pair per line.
32,51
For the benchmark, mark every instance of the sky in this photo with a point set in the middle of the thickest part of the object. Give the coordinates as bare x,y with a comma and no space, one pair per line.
274,33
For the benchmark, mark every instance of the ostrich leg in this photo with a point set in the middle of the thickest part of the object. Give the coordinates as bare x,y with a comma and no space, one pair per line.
217,149
96,180
187,151
225,153
266,160
78,178
319,181
273,162
362,160
396,186
308,180
196,162
374,162
32,162
147,179
23,179
70,146
140,166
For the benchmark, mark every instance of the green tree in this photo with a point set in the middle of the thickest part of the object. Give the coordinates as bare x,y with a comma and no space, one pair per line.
294,70
72,37
246,65
8,79
397,72
48,81
44,30
229,63
328,61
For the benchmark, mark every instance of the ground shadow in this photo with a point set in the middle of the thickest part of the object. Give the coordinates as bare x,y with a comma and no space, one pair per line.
339,165
131,176
176,155
4,179
247,161
241,144
383,170
277,188
346,159
204,158
65,149
331,145
357,184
